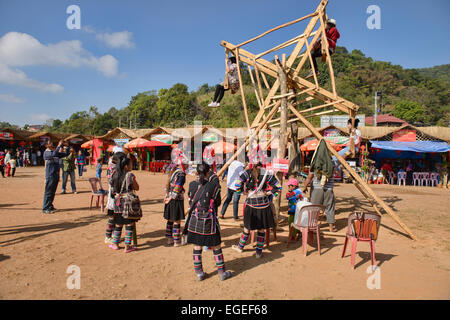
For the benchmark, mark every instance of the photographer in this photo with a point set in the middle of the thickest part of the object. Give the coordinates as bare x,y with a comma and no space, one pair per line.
51,158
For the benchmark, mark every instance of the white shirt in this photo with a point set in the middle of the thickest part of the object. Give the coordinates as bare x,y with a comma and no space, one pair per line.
234,171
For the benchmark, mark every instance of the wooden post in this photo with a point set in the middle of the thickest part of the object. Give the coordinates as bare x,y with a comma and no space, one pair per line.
241,85
283,129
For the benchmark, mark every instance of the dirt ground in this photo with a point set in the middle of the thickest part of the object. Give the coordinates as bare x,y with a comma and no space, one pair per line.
37,249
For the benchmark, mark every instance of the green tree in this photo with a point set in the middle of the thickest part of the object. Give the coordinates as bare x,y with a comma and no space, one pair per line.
409,111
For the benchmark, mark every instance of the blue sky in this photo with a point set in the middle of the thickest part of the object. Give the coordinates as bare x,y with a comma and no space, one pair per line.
126,47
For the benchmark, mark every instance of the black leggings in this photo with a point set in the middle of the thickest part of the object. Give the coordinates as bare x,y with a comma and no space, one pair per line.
220,91
316,54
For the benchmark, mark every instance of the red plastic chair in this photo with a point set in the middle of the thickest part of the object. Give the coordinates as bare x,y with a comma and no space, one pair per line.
362,226
314,211
97,191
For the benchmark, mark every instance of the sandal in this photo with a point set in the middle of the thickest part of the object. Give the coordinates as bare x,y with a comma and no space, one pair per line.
113,247
131,249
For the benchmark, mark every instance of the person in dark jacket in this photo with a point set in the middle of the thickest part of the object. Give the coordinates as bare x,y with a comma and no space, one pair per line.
332,36
51,158
205,202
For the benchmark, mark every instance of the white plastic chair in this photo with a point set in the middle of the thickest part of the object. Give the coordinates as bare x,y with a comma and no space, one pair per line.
434,179
401,176
424,178
416,178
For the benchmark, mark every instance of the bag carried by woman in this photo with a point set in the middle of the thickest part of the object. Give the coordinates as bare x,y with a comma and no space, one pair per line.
127,201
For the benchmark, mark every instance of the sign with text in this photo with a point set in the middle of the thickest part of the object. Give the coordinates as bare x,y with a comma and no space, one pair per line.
121,142
340,121
6,136
279,165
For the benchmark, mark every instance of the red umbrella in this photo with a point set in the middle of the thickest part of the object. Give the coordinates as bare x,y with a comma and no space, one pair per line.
155,143
312,145
223,147
136,143
87,144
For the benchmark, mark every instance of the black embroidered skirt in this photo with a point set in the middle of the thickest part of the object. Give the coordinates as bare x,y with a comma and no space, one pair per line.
258,219
205,240
174,210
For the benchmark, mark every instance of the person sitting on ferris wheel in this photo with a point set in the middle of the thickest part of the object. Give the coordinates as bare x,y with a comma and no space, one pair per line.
231,82
332,36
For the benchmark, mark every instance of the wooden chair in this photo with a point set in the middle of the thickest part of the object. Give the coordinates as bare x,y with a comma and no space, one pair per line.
362,226
307,230
97,191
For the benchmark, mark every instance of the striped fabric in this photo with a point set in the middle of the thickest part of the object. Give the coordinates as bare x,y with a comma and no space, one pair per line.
260,242
117,234
220,262
169,228
243,240
176,233
197,255
128,235
109,228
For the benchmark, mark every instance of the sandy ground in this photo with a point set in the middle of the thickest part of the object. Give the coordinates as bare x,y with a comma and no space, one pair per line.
36,250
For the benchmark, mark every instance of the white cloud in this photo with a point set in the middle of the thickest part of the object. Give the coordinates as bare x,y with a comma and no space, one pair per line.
7,97
39,118
21,50
19,78
122,39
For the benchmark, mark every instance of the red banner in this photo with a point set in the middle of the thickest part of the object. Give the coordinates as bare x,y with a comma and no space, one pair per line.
404,135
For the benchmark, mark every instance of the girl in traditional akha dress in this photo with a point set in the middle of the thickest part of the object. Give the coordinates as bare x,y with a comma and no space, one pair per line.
262,187
174,199
202,223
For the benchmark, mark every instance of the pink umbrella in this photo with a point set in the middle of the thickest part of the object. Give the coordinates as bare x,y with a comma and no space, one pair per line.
223,147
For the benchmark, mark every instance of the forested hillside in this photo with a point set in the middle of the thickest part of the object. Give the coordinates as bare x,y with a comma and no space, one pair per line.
416,95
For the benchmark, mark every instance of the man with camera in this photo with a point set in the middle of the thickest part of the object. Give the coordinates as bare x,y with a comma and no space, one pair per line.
51,158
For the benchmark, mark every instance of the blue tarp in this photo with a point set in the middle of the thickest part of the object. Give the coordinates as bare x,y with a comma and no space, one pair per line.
413,146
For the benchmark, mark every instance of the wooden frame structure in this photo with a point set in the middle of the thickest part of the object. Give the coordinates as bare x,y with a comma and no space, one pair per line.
295,91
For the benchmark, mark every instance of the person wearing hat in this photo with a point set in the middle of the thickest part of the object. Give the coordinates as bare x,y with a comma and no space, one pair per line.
332,36
293,195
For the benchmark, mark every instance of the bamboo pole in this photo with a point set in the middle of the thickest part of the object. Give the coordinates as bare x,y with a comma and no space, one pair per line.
283,127
312,64
259,82
265,81
276,28
241,85
284,44
353,174
254,87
